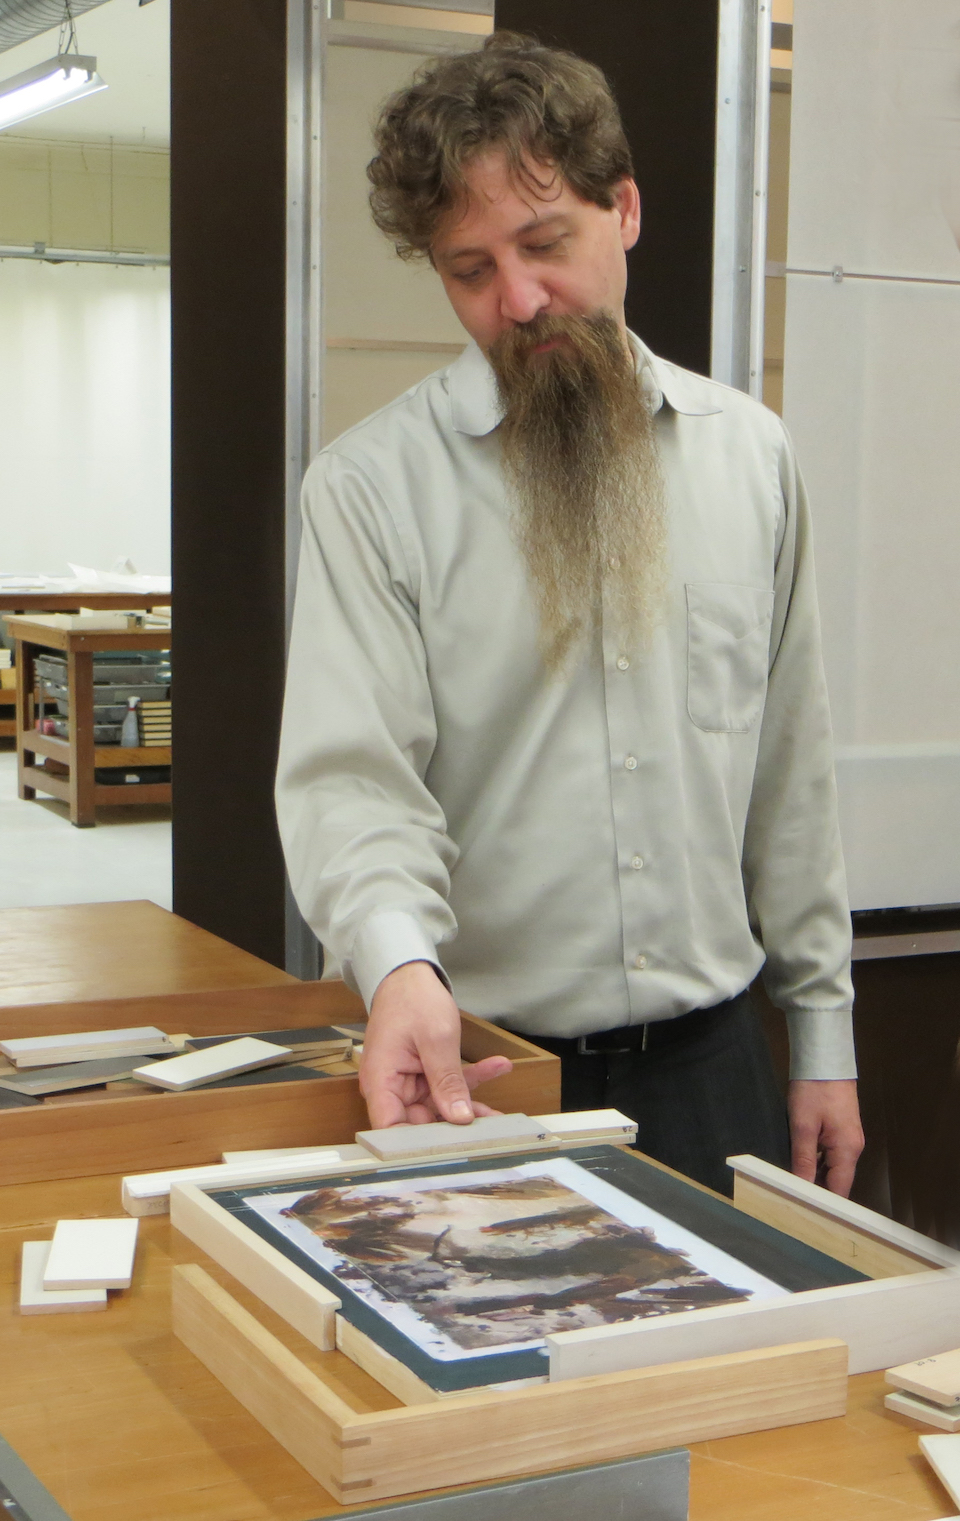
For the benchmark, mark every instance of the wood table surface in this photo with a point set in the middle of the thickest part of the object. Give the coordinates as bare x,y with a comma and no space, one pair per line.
122,1423
117,950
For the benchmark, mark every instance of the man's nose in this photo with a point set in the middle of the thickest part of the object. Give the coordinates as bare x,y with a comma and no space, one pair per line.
522,296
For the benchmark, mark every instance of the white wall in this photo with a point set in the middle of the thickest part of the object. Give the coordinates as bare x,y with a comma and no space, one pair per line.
872,397
84,416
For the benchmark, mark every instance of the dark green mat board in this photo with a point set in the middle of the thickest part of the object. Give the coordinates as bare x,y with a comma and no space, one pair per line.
789,1263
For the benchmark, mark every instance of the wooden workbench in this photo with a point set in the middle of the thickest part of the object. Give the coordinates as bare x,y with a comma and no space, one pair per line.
119,1420
79,753
117,950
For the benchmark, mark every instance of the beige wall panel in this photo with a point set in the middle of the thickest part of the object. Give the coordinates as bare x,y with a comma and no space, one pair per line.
141,204
24,192
358,382
370,293
83,195
80,198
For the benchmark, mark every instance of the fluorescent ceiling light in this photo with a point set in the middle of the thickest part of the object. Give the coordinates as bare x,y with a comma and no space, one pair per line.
54,83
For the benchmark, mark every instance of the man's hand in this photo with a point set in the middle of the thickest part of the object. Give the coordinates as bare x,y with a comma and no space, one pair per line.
410,1071
825,1132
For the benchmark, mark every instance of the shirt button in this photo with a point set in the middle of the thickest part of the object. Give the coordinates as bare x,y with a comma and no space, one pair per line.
613,562
636,862
631,763
639,962
623,664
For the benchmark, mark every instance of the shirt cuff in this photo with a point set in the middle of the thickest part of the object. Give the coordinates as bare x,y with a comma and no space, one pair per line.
821,1044
384,942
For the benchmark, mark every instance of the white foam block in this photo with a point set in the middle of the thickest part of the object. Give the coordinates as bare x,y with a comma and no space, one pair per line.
198,1067
148,1193
50,1050
933,1378
489,1131
923,1410
36,1300
91,1254
943,1455
597,1124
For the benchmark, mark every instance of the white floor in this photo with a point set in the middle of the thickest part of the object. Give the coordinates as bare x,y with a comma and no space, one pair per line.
43,859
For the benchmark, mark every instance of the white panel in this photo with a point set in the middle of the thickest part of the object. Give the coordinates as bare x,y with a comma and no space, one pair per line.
84,416
871,394
875,136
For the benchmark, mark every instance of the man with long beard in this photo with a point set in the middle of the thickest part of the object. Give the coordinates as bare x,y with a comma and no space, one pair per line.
557,739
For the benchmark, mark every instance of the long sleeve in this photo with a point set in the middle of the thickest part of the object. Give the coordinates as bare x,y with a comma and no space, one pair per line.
793,863
366,844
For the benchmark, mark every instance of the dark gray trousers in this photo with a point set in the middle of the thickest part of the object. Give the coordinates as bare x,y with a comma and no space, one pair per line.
701,1088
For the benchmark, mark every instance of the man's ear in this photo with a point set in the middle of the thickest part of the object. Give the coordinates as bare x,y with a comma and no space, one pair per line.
626,200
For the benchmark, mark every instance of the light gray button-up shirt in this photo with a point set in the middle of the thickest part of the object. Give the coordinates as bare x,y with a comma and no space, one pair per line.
625,841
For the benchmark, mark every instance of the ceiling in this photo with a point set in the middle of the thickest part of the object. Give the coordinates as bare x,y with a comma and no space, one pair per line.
131,43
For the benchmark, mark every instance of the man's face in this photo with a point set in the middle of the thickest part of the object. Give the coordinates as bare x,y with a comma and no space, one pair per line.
513,253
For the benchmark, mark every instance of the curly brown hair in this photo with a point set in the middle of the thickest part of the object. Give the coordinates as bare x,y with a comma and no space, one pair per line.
539,105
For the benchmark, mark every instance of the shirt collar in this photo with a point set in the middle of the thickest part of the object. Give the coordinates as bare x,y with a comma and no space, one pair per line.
475,408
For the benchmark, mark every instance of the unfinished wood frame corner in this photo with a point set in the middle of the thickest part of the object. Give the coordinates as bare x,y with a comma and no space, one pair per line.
292,1293
496,1434
910,1308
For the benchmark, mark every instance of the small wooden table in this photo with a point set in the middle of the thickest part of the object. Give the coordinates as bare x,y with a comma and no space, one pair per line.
79,787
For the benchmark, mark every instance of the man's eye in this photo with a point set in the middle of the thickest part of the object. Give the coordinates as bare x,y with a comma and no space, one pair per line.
467,276
544,248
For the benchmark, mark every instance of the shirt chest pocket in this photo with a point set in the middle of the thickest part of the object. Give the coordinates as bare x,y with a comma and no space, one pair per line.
728,645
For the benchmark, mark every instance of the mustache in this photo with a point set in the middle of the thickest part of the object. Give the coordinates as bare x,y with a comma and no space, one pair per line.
585,347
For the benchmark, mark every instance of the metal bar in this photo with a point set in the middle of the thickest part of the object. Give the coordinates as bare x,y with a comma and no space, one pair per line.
459,7
39,251
22,1496
304,337
740,197
761,167
838,274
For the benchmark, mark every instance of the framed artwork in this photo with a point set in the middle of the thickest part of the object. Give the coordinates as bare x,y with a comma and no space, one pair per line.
460,1271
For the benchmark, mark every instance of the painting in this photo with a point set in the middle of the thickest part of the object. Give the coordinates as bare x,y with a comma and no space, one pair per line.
468,1264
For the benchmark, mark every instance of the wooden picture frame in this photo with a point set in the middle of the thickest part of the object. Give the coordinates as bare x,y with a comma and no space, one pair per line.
430,1439
757,1366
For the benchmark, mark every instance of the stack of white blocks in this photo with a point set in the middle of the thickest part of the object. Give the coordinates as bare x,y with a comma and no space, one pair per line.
74,1271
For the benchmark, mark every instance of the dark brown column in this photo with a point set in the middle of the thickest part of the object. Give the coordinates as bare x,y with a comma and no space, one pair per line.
228,67
661,58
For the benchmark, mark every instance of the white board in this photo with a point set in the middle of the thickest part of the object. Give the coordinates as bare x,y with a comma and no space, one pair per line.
871,393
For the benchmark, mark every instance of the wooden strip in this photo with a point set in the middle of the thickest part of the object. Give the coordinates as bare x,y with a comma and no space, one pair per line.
304,1304
922,1410
294,1405
835,1237
387,1370
49,1050
500,1433
889,1321
808,1196
934,1378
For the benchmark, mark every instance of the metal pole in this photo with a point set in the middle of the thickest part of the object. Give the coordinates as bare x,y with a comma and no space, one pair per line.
740,200
304,340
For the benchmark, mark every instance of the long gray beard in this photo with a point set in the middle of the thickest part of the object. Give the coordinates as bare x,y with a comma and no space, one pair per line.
579,450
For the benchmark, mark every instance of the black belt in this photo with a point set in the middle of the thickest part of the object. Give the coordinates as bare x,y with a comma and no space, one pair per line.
625,1038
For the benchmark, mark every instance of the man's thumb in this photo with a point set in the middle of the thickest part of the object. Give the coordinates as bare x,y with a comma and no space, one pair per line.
448,1086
